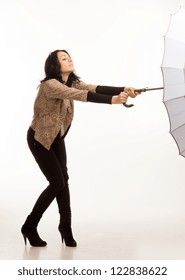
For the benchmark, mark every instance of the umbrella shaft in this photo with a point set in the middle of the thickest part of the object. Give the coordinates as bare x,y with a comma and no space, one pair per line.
147,89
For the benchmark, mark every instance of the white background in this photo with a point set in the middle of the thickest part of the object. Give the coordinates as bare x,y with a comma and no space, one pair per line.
123,164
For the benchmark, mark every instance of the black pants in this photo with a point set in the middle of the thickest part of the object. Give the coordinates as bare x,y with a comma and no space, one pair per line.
53,165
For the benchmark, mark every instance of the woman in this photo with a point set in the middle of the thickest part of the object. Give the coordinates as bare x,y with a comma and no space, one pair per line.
53,114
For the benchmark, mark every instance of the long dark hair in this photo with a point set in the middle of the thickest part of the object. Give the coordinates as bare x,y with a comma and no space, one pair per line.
53,69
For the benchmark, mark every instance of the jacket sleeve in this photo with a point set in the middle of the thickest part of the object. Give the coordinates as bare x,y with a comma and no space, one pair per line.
55,89
81,85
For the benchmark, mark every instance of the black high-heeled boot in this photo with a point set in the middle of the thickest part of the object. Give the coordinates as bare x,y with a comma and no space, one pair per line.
67,236
65,229
29,231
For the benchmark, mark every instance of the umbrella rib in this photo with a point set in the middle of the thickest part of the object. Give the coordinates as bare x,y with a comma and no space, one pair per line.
172,68
176,98
177,128
176,40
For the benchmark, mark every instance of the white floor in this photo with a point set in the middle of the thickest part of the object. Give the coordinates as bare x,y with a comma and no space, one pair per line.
150,240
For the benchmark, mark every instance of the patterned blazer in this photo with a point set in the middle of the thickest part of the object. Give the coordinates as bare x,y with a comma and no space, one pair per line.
54,108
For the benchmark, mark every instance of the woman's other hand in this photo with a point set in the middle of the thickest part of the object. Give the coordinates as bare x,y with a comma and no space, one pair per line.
120,99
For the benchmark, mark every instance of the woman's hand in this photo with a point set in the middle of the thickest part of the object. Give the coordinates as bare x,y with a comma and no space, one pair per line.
120,99
131,91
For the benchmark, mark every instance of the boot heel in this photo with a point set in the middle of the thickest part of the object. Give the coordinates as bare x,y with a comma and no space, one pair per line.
67,237
25,238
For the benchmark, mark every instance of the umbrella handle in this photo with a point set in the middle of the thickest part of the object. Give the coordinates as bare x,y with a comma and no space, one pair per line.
131,105
128,105
141,90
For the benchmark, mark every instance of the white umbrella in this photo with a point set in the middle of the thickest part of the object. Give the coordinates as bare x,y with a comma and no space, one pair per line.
173,70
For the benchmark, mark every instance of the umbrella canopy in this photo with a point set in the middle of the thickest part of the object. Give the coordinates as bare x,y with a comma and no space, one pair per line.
173,70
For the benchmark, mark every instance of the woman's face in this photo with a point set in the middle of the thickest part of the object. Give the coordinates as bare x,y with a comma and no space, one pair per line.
65,62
